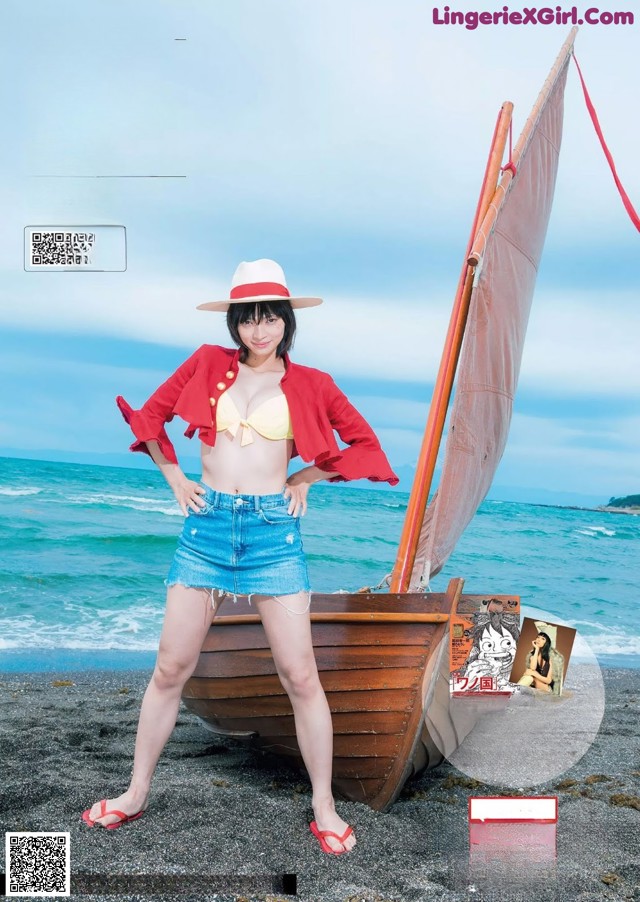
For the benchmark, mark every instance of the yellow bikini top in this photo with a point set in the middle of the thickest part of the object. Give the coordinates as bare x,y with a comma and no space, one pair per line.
270,419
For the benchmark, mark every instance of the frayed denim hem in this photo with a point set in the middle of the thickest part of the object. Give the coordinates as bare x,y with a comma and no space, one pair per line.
210,591
222,593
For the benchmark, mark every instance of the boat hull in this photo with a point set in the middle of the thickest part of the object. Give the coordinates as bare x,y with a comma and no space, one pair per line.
376,661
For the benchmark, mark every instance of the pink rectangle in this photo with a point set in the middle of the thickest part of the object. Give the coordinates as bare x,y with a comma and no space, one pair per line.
516,835
513,809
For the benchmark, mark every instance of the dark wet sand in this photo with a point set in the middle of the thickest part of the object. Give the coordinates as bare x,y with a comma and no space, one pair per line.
217,809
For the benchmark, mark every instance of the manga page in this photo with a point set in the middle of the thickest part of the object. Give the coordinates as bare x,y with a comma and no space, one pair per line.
483,636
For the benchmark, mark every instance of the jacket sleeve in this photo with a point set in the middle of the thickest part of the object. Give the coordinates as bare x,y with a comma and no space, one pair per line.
147,424
364,458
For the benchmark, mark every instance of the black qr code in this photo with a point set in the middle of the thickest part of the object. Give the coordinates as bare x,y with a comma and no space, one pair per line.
38,864
61,248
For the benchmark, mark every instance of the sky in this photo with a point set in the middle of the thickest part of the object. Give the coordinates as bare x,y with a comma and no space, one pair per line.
347,141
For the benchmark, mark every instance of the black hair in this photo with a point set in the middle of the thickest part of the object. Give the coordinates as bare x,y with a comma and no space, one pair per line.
508,625
257,310
544,651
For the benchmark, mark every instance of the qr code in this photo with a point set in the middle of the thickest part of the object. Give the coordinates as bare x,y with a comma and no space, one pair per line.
61,248
38,864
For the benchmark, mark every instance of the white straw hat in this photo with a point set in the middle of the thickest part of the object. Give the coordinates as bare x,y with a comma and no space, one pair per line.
550,629
259,280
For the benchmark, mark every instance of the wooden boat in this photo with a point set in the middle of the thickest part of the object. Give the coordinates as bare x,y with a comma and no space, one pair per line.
383,658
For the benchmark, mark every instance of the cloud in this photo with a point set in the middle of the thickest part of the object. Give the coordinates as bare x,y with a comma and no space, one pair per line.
574,455
347,335
364,115
577,344
583,343
393,412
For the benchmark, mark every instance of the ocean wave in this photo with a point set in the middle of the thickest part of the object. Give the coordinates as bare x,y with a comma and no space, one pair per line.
599,625
122,539
594,531
43,640
620,645
602,638
91,585
104,496
136,628
370,540
133,502
23,540
339,559
9,490
167,511
149,612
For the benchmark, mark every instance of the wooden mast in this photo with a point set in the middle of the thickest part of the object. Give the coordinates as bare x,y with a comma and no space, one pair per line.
405,559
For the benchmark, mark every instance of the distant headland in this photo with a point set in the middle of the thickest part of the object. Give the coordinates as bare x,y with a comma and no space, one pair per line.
630,504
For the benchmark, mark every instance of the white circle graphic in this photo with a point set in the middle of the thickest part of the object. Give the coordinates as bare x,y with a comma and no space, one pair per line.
530,737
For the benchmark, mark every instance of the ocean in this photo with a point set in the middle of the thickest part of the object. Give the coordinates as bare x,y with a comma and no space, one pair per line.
84,551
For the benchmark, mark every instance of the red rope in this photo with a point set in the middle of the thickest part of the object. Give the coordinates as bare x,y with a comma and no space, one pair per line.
635,219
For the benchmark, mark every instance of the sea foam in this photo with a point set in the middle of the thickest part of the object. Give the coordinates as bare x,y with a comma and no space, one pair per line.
8,490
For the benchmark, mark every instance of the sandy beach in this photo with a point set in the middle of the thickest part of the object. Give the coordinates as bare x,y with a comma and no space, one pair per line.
225,823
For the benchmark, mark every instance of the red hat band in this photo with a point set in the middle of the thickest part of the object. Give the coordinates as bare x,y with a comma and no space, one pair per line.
256,289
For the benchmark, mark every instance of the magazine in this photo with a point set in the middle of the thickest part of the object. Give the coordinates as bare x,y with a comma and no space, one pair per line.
542,655
483,634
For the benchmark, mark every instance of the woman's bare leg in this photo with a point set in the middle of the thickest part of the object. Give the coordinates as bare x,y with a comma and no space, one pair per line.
187,618
289,635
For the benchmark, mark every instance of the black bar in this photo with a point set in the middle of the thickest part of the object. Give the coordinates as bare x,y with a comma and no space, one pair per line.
153,884
290,884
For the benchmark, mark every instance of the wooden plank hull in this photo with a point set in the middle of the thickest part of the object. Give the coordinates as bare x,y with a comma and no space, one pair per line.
377,671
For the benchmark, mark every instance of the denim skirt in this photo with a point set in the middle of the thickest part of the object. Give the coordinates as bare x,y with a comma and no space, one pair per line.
241,545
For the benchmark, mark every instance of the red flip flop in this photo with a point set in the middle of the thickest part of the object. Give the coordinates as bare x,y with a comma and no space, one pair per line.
103,813
86,817
324,845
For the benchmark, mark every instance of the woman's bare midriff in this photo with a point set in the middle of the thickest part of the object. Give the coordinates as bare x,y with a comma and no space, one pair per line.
259,468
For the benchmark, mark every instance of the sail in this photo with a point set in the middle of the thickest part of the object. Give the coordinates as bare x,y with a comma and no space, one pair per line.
509,244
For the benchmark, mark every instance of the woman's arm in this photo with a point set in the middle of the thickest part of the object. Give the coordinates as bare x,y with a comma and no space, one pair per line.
544,679
364,458
529,665
147,424
187,491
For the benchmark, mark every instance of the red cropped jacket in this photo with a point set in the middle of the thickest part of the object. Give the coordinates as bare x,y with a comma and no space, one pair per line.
316,405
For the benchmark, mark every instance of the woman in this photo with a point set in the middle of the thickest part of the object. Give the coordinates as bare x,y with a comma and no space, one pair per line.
538,672
253,410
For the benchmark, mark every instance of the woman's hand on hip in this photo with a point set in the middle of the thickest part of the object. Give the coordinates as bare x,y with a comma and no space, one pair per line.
188,494
187,491
297,488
